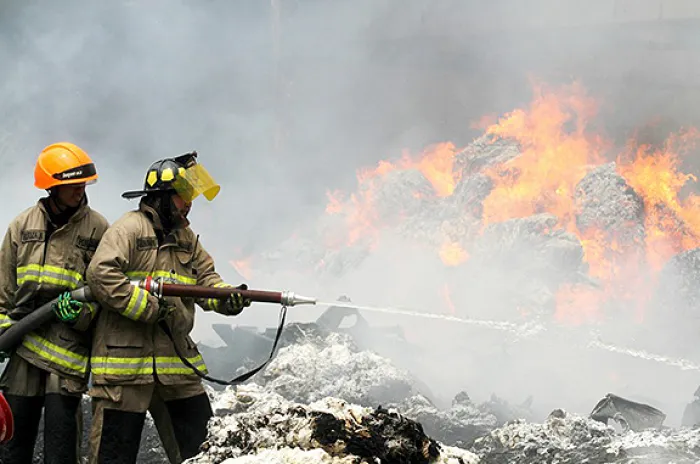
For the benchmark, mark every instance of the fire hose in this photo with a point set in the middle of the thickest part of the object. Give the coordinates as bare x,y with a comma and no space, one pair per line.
159,288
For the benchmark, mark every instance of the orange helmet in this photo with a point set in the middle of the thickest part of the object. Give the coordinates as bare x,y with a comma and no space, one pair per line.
63,163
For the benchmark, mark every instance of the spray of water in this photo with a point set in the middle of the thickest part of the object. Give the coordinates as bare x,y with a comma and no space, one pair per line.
522,330
682,364
527,330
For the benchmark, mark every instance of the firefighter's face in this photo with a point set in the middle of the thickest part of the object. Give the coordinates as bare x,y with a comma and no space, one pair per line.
71,195
183,207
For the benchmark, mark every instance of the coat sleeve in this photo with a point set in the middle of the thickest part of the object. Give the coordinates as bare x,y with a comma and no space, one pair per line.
106,276
8,278
90,310
208,277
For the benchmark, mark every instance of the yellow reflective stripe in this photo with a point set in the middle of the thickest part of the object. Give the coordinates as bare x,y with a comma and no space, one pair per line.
137,304
165,365
56,354
91,307
105,365
171,276
173,365
48,274
213,303
6,321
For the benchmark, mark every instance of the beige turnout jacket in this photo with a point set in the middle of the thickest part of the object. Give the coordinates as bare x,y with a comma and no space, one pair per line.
129,347
34,270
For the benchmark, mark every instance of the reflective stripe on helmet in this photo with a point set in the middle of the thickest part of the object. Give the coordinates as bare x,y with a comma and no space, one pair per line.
78,172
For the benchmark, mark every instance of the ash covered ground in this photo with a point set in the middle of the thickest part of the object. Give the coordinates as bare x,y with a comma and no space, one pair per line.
324,399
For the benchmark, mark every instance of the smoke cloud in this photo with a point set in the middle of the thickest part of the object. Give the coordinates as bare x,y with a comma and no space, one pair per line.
285,100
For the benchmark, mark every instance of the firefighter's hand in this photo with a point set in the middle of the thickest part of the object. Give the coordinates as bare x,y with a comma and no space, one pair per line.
234,304
66,308
165,309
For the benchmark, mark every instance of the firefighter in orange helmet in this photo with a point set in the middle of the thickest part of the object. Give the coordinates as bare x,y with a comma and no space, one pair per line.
44,255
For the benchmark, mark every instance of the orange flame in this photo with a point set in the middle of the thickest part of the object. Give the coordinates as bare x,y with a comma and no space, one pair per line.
243,267
555,154
452,254
362,220
671,224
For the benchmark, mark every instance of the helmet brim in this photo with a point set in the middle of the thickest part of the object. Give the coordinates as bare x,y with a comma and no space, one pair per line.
130,195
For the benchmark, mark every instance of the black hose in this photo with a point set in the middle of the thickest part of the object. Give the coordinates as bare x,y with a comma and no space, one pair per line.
15,333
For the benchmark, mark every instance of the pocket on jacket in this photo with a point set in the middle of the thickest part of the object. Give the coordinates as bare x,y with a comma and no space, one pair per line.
124,339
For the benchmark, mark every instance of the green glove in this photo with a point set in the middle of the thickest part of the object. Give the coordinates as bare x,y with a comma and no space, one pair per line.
66,308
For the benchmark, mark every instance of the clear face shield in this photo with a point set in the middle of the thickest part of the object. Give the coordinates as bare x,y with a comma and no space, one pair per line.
192,181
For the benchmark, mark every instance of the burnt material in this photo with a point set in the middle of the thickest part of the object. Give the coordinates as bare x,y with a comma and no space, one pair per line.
383,435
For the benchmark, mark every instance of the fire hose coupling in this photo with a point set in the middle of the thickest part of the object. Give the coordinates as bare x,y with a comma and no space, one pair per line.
151,285
292,299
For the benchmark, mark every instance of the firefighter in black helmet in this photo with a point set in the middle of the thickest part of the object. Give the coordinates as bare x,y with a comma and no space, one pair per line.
134,355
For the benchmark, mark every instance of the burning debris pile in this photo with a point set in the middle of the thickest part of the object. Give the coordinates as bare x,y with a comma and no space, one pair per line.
539,216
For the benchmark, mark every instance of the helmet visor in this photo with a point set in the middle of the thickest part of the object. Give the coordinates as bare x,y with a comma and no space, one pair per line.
192,181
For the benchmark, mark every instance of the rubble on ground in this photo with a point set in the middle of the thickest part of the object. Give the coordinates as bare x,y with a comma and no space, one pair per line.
332,366
303,410
458,426
251,420
571,439
630,415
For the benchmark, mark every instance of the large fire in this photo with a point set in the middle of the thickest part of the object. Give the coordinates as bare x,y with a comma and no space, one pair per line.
557,151
553,158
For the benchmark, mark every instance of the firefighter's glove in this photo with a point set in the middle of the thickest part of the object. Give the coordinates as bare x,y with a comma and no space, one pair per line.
165,309
66,308
234,304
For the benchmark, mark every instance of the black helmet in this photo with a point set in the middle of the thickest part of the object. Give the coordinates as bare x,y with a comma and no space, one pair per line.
181,174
